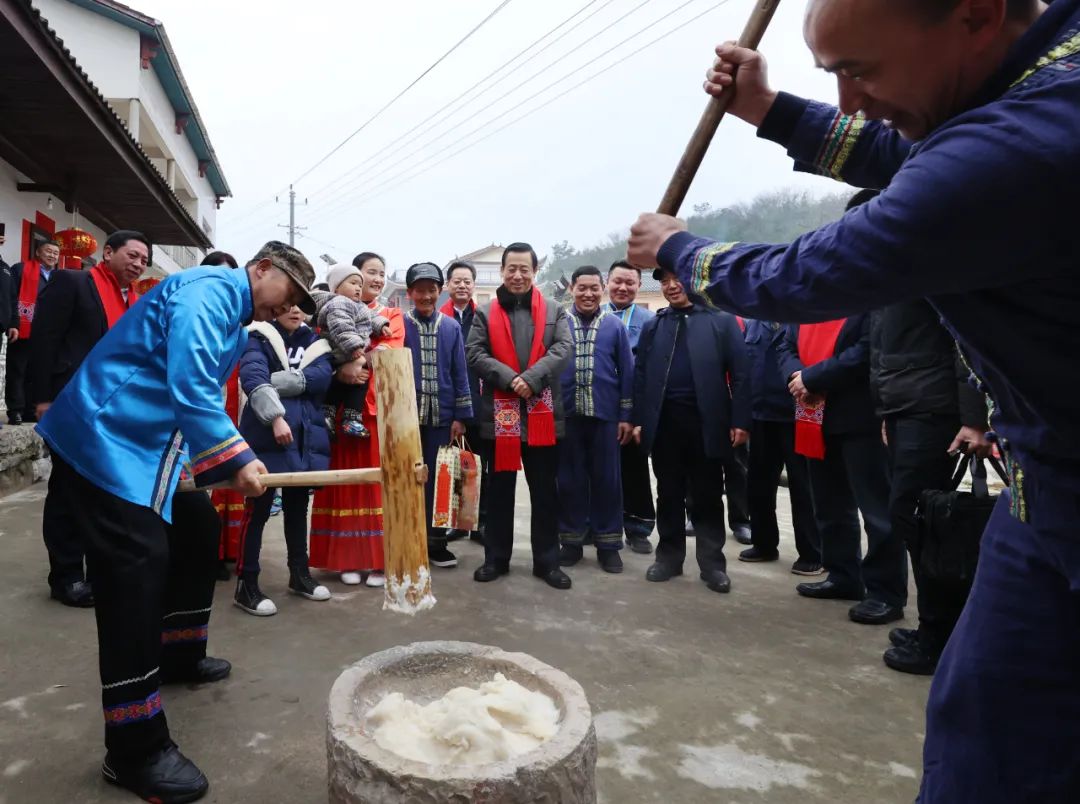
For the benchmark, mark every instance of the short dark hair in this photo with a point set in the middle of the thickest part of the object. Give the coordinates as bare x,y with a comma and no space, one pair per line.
623,264
122,237
44,243
860,198
520,248
359,260
937,10
460,264
219,258
586,270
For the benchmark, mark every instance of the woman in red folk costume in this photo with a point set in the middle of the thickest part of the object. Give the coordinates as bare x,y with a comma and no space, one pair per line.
346,521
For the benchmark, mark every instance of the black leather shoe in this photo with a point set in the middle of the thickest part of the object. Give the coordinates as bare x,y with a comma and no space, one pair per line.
754,556
556,578
875,612
828,590
610,561
639,544
903,636
912,659
14,419
78,595
204,671
489,572
223,573
166,776
717,580
569,555
742,534
658,573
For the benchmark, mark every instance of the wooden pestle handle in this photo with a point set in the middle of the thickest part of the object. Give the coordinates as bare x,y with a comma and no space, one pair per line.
702,137
333,477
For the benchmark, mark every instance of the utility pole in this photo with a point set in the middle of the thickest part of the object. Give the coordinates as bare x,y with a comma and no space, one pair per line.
291,226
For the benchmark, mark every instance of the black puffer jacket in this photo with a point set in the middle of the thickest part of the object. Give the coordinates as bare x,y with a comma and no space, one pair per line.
915,367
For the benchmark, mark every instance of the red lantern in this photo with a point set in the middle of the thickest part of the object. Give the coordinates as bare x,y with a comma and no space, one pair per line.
143,286
76,242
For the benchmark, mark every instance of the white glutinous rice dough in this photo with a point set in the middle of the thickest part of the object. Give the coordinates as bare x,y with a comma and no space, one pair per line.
496,722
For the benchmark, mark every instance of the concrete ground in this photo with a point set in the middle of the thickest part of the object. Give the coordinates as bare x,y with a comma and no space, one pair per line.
756,696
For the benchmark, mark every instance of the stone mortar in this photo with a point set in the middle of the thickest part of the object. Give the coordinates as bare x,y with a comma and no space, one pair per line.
561,770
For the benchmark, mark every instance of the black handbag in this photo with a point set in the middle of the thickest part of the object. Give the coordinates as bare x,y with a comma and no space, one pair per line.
951,523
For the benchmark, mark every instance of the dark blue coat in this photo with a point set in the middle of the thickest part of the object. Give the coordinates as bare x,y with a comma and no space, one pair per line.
772,402
609,372
844,379
717,355
271,349
455,394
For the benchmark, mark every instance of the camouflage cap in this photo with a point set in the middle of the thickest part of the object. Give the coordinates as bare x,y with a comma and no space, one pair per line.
293,263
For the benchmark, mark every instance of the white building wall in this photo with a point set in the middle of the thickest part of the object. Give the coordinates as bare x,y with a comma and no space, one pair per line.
106,51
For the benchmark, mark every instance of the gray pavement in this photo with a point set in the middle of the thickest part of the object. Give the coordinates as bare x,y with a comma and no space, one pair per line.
756,696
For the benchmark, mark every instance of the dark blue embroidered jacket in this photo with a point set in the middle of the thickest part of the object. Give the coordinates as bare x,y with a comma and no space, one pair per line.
599,382
452,391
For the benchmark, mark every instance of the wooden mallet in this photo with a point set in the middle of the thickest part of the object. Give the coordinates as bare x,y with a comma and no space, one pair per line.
710,120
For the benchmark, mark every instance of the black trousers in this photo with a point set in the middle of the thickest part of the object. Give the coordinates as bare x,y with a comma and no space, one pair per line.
683,468
294,511
736,486
541,470
351,397
60,532
772,448
639,512
918,458
852,479
17,391
153,586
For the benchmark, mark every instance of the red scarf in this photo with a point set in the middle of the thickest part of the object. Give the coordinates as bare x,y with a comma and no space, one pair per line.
112,298
450,310
541,409
28,289
817,342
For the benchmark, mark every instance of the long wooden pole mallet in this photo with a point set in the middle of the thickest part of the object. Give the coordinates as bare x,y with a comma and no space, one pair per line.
695,151
332,477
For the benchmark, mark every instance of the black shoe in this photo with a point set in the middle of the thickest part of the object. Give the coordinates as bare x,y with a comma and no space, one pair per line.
910,658
804,567
755,556
742,534
222,573
166,776
828,590
205,671
442,557
903,636
875,612
610,561
717,580
639,544
250,598
569,555
659,573
456,535
489,572
14,418
556,578
301,583
78,595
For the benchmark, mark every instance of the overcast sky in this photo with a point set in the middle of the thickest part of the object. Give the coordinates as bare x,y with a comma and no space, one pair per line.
280,83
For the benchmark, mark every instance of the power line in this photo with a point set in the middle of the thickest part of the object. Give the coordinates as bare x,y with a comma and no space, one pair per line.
512,60
397,97
344,200
353,183
391,184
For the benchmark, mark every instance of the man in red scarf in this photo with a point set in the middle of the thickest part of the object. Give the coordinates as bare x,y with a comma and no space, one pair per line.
75,312
517,346
28,281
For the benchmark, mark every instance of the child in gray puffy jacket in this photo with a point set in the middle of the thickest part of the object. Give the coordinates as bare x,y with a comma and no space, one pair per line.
348,323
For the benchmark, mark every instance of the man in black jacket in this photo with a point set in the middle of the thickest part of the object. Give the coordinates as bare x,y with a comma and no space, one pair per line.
70,319
852,475
28,282
691,409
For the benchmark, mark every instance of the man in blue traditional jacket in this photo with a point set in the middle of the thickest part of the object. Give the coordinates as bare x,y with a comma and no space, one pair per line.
146,401
598,397
443,398
979,162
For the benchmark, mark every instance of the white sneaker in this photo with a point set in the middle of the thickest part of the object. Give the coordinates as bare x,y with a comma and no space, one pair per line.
251,599
376,580
351,578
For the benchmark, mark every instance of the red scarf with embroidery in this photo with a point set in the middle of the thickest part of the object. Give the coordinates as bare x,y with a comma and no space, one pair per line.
817,342
450,310
28,288
541,407
112,298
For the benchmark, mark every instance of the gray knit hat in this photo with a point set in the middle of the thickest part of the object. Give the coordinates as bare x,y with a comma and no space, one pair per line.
339,273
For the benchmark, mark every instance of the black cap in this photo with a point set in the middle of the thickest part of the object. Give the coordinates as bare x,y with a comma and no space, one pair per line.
658,273
423,270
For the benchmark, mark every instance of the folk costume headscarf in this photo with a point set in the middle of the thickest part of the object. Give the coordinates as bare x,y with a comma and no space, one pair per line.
817,342
541,407
112,296
28,290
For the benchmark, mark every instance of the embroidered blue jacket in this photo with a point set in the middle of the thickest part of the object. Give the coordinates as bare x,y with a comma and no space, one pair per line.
598,379
156,374
634,318
980,217
450,384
